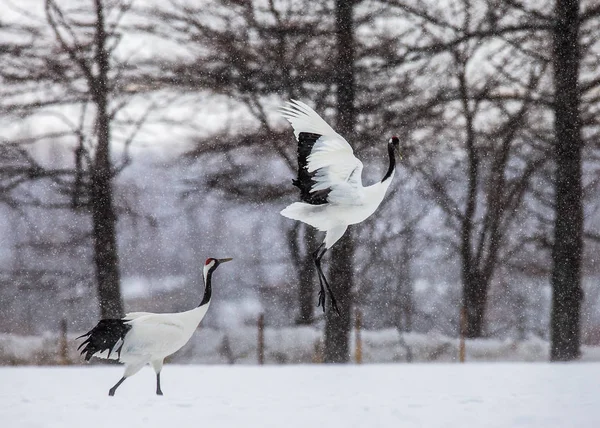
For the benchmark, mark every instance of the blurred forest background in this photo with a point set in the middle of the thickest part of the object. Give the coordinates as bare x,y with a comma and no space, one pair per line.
139,138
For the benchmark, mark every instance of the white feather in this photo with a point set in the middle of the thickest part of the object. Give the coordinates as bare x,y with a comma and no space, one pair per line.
305,119
155,336
331,157
105,355
337,169
134,315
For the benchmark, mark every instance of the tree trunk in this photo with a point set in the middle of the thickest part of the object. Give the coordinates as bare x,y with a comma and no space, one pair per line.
103,215
337,327
474,289
475,298
568,244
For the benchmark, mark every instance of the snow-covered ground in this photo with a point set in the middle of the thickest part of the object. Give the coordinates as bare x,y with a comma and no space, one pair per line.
369,396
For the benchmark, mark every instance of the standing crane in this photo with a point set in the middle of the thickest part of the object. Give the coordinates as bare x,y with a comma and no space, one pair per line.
140,338
330,183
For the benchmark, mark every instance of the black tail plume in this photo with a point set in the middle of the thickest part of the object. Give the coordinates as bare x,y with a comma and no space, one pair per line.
108,335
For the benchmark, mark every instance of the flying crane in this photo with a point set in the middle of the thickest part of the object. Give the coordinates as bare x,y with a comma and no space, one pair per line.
330,182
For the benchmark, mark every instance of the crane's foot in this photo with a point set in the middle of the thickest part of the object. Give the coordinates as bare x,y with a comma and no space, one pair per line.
321,299
334,303
111,392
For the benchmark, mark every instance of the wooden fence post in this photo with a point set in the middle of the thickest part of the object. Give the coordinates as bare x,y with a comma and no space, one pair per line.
63,347
261,339
358,344
317,357
463,327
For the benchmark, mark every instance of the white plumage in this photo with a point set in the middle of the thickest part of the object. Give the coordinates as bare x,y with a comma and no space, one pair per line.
142,338
330,182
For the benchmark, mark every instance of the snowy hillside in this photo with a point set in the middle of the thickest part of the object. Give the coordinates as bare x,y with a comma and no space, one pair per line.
296,346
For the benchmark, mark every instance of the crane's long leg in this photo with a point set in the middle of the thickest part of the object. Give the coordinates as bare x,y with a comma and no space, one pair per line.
130,370
331,296
111,392
323,279
317,260
158,390
157,365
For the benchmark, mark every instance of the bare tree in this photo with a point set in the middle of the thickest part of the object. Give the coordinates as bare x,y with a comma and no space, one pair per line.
526,27
338,325
494,187
70,71
567,250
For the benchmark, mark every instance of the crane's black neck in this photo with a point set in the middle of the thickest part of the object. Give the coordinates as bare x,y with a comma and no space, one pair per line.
207,287
392,166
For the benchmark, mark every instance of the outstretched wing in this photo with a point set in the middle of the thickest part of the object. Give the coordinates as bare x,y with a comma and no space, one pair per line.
328,171
306,180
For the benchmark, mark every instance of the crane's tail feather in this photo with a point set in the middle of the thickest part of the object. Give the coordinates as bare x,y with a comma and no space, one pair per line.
297,211
105,340
307,213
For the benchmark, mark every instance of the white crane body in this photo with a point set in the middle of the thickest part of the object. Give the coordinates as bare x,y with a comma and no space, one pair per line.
330,182
328,216
158,335
141,338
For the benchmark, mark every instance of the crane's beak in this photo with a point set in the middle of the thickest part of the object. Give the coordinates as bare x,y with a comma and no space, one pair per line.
225,260
397,153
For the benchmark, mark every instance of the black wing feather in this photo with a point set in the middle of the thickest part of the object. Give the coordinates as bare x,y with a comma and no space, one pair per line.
305,181
104,337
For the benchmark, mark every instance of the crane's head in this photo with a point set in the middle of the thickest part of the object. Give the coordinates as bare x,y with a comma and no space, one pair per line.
394,143
211,263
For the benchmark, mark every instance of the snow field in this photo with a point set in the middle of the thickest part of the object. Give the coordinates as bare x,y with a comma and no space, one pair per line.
395,395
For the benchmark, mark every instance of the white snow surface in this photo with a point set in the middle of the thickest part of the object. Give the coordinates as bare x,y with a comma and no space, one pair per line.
384,395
